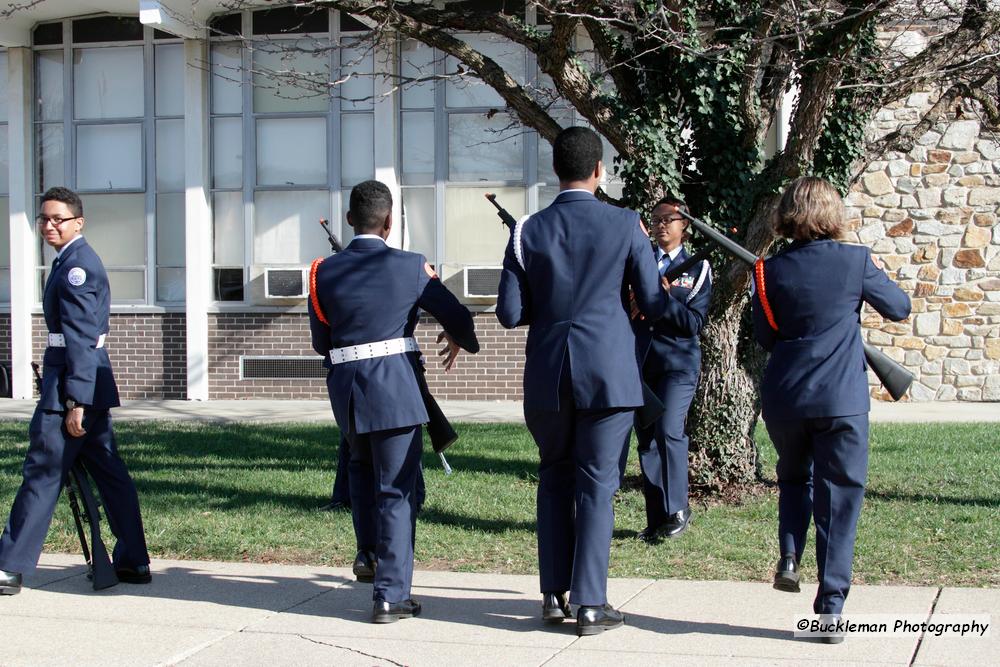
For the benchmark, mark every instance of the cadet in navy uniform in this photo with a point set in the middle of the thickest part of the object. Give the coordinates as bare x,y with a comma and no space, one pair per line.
362,313
670,357
814,393
566,274
72,417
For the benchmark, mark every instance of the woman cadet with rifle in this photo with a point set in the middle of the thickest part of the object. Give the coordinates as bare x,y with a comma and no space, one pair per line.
814,392
669,356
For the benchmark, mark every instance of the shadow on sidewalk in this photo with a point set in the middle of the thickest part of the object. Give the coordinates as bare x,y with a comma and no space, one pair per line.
345,601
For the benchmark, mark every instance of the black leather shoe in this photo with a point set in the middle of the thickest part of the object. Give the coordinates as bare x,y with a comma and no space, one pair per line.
675,524
134,575
10,583
595,620
364,566
555,609
390,612
786,574
334,506
834,636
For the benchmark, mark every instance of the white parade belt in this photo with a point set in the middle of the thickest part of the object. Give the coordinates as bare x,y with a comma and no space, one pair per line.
58,340
382,348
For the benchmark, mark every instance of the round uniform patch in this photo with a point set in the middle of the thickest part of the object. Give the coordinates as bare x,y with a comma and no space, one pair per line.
77,276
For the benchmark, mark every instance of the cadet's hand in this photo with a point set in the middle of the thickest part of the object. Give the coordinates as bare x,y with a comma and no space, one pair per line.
449,352
877,261
633,306
665,283
74,422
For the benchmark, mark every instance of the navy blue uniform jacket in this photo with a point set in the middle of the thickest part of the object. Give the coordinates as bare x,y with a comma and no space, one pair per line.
579,257
671,343
77,304
370,292
817,366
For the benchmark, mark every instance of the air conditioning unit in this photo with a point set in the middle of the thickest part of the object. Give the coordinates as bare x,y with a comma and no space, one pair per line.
286,283
481,281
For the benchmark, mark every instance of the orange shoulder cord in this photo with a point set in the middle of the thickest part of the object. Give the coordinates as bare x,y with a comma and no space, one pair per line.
312,290
758,273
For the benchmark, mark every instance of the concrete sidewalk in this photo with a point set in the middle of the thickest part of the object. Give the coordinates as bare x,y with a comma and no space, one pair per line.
202,613
458,411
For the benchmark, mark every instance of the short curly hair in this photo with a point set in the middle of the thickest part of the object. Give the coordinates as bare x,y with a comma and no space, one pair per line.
65,196
810,209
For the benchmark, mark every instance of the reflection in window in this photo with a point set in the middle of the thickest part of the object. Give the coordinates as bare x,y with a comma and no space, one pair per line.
286,227
419,223
417,135
227,152
290,76
291,151
472,233
357,148
107,82
109,157
470,91
484,148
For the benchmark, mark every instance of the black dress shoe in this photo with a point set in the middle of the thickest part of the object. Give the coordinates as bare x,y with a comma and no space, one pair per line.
834,636
390,612
786,574
10,583
595,620
555,609
675,524
334,506
134,575
364,566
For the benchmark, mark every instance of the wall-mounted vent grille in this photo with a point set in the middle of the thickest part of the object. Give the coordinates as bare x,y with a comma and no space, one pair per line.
281,368
482,281
285,283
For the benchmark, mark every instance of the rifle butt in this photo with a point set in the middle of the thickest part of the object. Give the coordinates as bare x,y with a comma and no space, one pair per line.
102,573
893,376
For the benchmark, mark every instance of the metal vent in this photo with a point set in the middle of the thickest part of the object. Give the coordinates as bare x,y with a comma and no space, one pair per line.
482,281
281,368
284,283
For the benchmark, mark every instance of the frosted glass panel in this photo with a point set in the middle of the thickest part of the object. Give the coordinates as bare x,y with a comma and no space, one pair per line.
418,217
227,70
4,232
416,60
169,80
356,93
3,86
484,149
170,285
472,233
357,153
116,228
227,152
287,227
4,161
127,285
291,151
418,145
49,86
170,155
50,163
4,286
107,82
227,216
109,157
289,80
470,91
170,230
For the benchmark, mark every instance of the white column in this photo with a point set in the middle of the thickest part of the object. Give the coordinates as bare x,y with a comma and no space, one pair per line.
386,150
22,232
197,216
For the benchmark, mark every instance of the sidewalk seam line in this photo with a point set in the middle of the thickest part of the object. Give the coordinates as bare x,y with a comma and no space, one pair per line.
923,633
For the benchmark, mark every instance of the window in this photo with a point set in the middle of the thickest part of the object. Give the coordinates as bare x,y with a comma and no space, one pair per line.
119,141
284,144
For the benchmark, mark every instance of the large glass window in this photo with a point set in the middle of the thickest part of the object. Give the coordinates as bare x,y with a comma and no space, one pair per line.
109,123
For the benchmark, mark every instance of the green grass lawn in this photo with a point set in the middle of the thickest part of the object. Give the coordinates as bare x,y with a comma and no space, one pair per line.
931,516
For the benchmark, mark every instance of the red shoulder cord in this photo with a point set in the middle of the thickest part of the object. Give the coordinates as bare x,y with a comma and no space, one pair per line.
312,290
758,273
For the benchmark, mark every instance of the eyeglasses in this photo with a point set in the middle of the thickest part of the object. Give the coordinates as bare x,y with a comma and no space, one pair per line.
43,220
654,222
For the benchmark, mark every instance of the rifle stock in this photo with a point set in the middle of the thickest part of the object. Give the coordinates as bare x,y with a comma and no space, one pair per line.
77,484
893,376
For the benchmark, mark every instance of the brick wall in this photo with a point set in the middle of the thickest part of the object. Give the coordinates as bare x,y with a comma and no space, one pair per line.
493,374
5,338
148,353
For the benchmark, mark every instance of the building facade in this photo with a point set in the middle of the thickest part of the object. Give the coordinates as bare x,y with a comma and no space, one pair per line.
207,150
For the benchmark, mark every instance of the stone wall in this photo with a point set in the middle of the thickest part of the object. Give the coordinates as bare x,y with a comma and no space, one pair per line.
930,215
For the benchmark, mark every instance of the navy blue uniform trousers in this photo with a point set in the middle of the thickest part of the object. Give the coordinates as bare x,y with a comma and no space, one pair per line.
51,453
578,474
822,468
663,447
383,479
